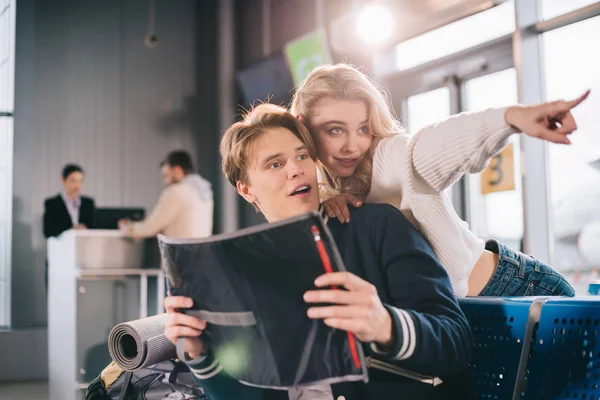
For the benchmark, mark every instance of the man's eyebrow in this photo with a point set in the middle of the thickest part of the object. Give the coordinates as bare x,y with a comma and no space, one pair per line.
277,155
270,157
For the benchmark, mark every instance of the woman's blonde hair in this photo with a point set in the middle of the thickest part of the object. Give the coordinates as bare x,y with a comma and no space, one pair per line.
238,142
344,82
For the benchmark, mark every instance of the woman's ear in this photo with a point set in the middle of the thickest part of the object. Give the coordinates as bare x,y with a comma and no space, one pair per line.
301,118
246,192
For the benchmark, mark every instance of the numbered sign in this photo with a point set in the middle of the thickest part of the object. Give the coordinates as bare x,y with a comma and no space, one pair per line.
500,174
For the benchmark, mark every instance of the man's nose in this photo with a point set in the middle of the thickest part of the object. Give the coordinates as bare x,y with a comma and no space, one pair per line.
295,169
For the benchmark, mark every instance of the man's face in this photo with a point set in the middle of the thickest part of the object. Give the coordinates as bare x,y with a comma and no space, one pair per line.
170,174
282,178
73,184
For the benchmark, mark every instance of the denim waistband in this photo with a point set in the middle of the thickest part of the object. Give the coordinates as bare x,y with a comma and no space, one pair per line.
507,260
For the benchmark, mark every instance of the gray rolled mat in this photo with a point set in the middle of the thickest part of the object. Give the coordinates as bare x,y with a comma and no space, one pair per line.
140,343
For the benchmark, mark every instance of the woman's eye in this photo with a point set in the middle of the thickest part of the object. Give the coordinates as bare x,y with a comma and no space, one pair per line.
364,129
335,131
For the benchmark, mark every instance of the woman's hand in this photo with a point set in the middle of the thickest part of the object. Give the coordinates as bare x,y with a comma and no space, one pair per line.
180,325
551,121
357,310
337,207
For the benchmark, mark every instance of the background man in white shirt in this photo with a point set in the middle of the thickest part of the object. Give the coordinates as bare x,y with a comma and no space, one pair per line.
185,207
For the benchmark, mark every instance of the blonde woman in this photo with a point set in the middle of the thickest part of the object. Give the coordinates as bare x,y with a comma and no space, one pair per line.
365,155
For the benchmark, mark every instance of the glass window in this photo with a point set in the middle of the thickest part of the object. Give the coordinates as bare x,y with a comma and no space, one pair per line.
6,56
496,215
549,9
490,24
573,178
7,46
427,108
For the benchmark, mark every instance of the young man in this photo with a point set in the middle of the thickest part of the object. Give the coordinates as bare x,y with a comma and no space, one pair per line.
398,299
185,207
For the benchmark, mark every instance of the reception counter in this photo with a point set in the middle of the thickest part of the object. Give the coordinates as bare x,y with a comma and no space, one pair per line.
96,279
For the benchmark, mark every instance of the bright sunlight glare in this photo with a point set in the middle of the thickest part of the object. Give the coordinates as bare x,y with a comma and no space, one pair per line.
374,24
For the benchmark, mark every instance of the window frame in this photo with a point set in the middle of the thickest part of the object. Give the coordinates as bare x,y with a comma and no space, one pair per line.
451,72
8,33
520,50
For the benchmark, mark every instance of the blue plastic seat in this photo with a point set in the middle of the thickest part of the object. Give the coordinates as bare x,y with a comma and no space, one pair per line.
499,327
564,362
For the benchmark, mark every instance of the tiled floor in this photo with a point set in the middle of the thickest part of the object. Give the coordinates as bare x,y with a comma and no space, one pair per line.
24,390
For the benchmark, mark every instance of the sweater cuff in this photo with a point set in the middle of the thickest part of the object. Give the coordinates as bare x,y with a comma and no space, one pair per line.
495,117
204,366
403,329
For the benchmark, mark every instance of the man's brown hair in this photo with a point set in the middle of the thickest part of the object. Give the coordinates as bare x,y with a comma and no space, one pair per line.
238,141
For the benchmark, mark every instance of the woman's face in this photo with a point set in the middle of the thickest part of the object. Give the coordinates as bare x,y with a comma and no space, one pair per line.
342,132
73,184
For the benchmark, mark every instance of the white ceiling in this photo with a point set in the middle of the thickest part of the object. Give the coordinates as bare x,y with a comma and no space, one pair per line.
412,18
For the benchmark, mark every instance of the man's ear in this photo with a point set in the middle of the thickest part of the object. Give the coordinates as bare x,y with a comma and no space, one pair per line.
246,192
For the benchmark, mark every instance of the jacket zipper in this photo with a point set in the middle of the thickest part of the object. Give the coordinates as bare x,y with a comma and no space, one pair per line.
393,369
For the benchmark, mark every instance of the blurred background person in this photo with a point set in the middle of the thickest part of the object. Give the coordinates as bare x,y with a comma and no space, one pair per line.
69,209
185,207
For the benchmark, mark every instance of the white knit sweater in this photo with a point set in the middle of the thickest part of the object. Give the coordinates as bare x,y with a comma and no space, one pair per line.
411,173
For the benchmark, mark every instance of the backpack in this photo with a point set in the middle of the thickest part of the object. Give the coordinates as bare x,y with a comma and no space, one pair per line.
167,380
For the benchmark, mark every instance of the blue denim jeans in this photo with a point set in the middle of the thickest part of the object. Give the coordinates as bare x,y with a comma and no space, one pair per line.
519,274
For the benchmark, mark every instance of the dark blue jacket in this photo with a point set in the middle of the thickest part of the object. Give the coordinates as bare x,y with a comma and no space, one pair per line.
432,336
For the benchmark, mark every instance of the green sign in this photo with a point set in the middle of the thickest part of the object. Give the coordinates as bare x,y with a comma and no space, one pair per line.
306,53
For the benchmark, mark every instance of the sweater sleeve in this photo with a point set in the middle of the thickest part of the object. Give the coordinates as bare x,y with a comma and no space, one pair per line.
432,335
442,153
217,384
163,214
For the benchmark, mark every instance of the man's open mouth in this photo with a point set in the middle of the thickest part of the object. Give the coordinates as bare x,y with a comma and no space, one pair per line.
301,190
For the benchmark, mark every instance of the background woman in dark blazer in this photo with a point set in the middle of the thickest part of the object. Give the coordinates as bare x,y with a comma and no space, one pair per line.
68,209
